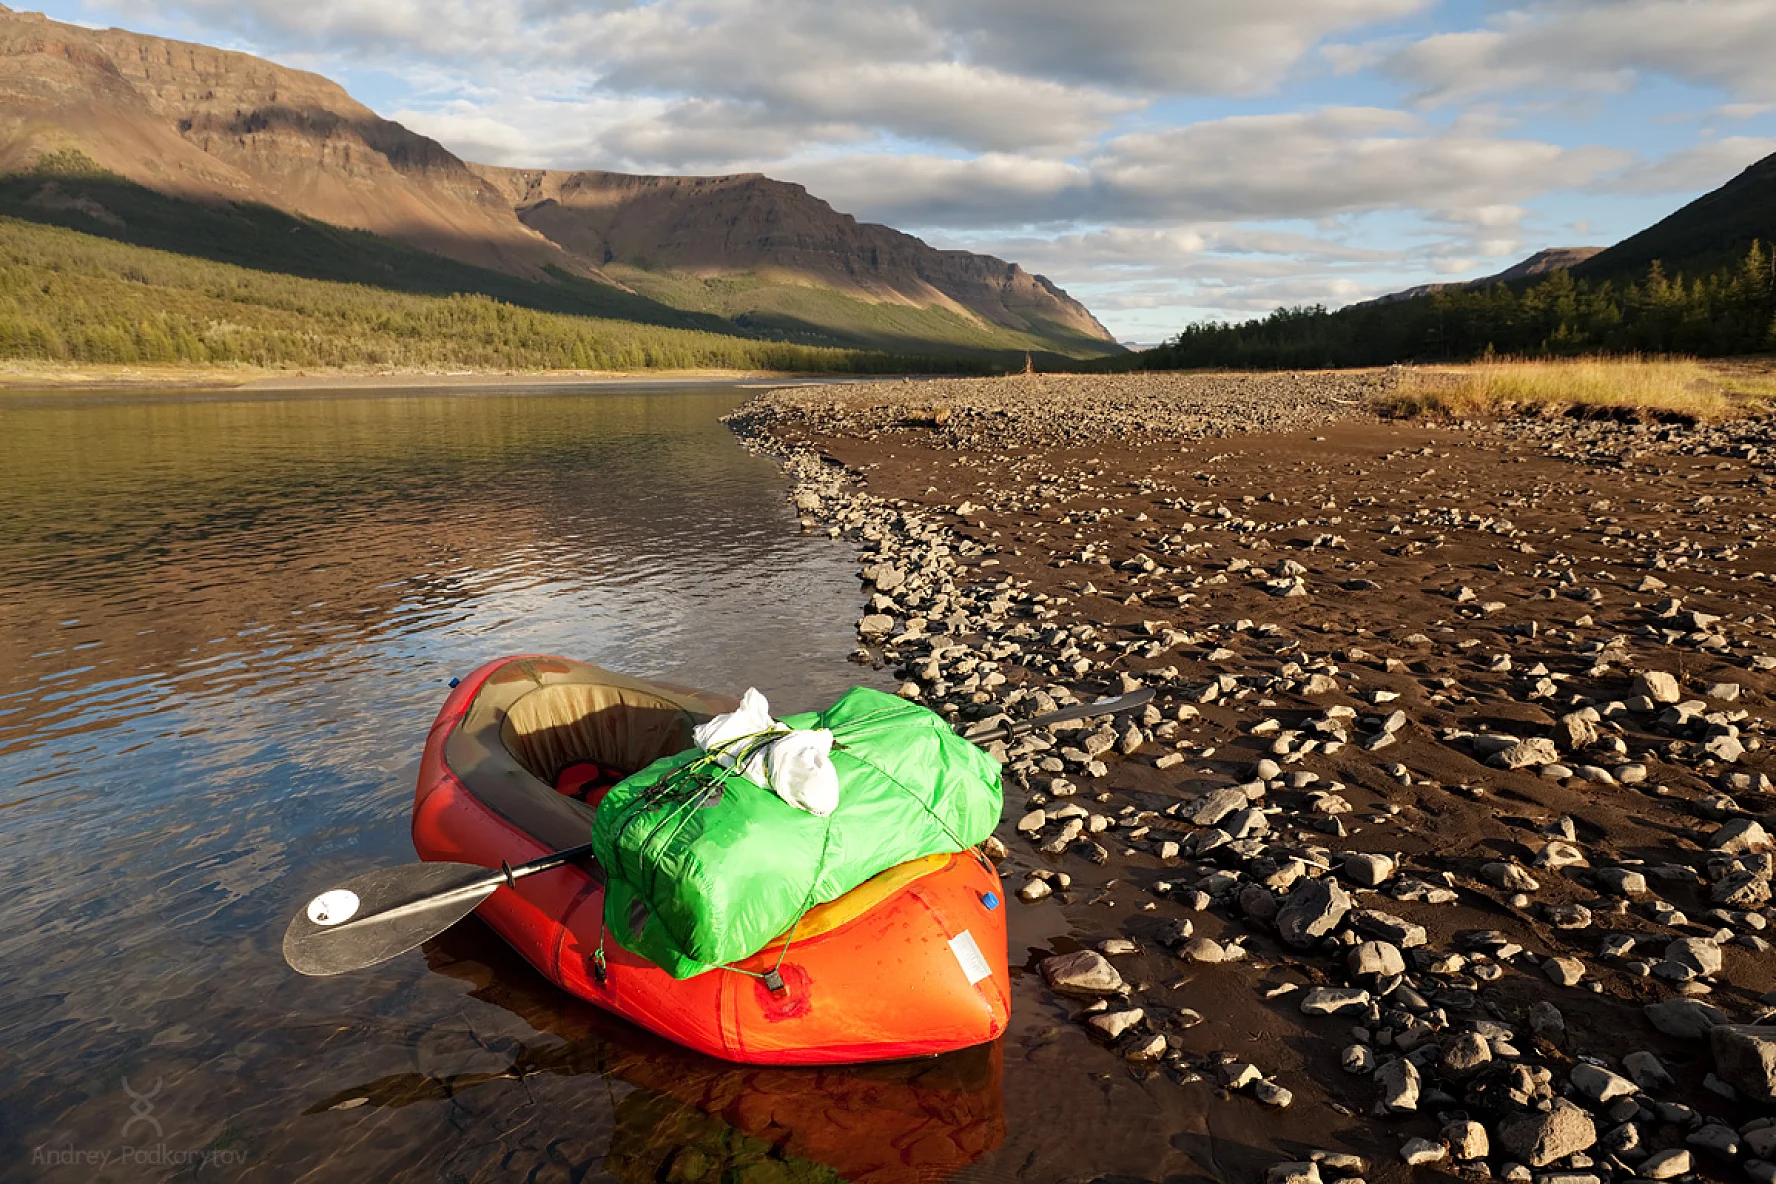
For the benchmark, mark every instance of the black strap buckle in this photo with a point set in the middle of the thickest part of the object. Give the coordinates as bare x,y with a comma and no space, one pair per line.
774,982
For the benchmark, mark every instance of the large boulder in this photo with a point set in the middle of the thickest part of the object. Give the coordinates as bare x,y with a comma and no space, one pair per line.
1745,1058
1313,910
1686,1019
1658,686
1540,1139
1740,836
1086,973
1575,731
1526,754
1211,808
1699,954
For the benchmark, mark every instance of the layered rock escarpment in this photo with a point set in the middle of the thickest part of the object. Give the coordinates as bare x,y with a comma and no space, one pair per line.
749,223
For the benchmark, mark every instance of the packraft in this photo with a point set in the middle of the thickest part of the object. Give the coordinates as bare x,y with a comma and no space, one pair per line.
704,867
910,963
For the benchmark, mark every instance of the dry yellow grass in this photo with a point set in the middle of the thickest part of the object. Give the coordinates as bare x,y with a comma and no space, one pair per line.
1677,387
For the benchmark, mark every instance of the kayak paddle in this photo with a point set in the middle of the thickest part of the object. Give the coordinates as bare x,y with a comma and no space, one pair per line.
373,917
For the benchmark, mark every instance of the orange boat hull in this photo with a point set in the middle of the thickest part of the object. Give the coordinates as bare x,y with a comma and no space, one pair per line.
871,976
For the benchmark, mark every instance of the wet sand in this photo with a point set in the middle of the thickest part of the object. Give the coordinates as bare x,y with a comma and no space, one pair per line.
1450,823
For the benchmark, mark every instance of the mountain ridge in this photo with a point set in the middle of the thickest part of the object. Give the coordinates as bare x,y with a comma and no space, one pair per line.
1548,259
750,223
215,127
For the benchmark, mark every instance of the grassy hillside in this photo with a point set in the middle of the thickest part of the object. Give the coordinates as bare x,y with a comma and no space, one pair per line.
67,296
69,191
802,312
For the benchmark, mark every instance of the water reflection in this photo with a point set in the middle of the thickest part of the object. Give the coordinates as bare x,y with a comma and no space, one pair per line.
224,626
687,1118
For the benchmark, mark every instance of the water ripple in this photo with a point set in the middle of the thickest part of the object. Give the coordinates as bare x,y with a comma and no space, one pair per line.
227,625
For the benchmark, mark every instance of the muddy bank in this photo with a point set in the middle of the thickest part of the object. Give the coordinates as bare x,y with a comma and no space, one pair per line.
1447,840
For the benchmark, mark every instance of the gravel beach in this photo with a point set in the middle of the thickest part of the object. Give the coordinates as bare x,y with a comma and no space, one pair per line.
1446,843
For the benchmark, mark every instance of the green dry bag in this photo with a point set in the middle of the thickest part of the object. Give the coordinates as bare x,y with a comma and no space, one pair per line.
704,867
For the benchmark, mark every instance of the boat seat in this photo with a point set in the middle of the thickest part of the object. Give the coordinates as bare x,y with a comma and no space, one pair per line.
559,726
535,717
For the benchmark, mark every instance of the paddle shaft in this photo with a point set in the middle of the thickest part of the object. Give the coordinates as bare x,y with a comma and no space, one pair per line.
475,889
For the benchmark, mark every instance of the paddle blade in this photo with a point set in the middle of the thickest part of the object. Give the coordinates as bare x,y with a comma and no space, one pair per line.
373,917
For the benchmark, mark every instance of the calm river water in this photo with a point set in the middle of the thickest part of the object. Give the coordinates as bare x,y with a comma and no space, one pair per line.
225,624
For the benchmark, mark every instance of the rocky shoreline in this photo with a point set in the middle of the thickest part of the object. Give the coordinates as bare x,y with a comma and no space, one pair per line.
1446,841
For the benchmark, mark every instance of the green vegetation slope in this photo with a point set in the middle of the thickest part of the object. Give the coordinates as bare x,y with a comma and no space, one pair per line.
67,189
66,296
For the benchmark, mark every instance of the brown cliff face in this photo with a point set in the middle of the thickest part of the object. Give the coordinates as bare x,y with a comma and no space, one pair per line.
748,223
207,124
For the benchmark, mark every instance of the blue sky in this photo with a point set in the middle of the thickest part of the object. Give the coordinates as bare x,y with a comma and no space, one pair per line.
1164,160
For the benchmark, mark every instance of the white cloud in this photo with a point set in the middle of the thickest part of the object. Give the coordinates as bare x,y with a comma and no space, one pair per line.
1201,251
1149,282
1335,161
1492,217
925,191
1161,46
1692,170
1310,165
980,75
976,108
1591,45
1261,298
543,132
1153,46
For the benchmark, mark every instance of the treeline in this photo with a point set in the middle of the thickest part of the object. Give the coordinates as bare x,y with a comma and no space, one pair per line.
1728,312
66,296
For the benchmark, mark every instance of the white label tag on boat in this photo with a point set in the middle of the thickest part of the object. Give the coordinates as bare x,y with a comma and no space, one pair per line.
969,957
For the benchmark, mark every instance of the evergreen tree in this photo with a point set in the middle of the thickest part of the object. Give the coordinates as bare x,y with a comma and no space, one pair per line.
1723,313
